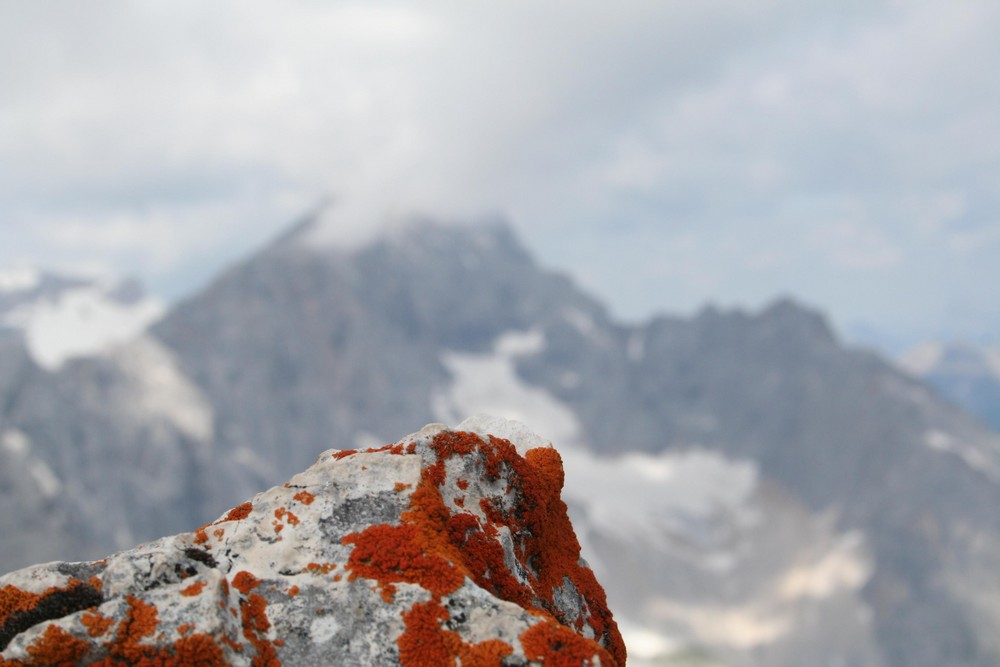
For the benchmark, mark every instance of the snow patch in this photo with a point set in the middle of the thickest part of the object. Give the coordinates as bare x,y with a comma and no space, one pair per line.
972,456
940,441
16,443
520,344
645,644
655,498
740,627
80,322
19,445
489,383
843,567
158,388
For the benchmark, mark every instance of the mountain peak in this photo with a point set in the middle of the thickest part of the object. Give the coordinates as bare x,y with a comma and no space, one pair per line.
788,314
335,225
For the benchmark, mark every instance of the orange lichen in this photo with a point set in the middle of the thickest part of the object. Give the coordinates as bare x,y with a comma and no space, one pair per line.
232,644
437,548
245,582
198,650
304,497
391,448
21,609
283,514
293,591
489,653
393,554
344,453
238,513
484,559
57,648
455,443
13,599
200,536
253,613
545,543
426,642
321,568
194,589
97,624
555,645
141,621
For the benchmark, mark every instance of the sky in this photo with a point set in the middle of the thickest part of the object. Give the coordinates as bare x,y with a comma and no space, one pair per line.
666,154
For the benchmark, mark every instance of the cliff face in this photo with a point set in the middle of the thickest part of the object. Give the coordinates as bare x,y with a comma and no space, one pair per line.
447,547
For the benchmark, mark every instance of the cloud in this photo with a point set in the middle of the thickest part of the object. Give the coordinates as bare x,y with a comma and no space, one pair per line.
744,125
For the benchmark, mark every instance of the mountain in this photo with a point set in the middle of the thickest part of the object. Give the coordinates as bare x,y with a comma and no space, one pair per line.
749,490
966,374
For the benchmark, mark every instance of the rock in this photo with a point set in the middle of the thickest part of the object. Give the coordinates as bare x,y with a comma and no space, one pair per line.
449,547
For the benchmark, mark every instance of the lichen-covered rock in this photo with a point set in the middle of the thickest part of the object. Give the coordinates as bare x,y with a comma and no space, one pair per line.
450,547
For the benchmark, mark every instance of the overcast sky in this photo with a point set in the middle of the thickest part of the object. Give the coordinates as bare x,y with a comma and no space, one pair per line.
668,154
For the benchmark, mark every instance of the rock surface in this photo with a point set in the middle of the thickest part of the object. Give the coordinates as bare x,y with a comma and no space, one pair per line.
447,547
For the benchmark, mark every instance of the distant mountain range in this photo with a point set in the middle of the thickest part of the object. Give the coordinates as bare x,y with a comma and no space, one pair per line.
749,490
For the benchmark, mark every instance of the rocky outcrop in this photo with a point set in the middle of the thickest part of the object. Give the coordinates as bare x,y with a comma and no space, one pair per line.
449,547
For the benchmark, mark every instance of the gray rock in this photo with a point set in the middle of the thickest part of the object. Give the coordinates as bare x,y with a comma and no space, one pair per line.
448,545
